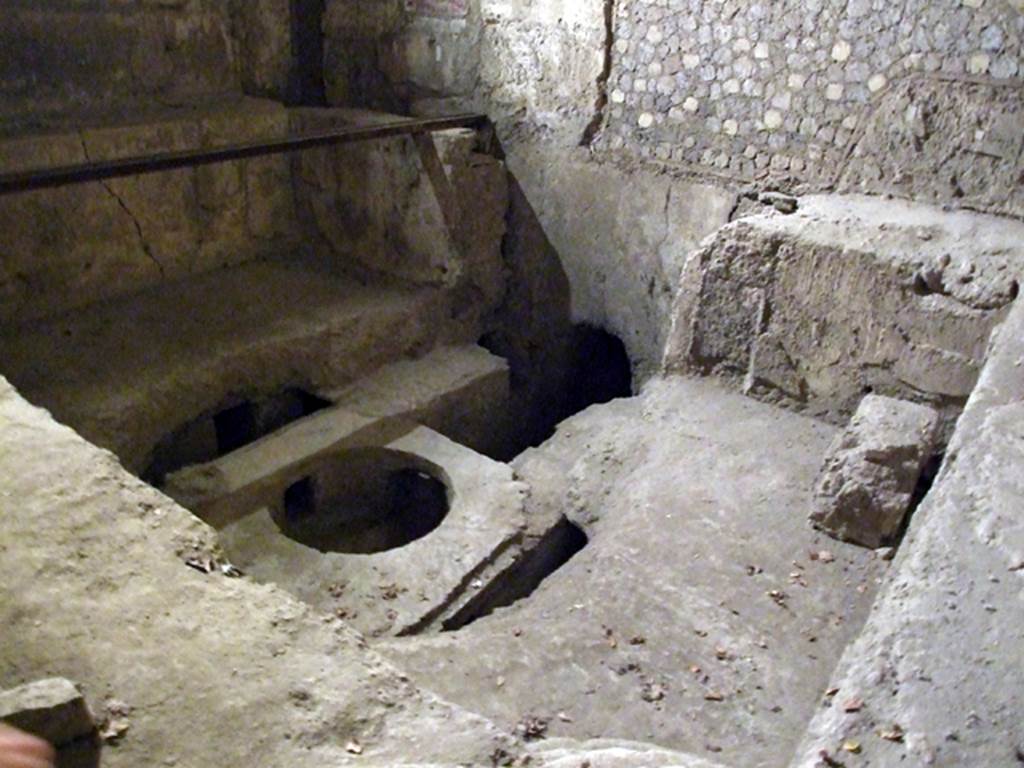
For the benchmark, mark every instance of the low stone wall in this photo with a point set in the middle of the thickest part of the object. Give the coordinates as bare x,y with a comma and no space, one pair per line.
848,295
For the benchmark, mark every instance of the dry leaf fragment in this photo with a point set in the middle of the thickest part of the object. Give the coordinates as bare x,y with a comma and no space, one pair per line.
893,734
114,729
853,705
532,727
652,692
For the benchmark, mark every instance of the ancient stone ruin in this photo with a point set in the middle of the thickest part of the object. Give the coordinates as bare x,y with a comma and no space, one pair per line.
550,383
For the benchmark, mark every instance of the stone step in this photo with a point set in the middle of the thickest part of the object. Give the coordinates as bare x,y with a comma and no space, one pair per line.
128,372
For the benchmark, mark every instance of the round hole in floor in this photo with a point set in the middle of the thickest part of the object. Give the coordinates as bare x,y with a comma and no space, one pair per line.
365,500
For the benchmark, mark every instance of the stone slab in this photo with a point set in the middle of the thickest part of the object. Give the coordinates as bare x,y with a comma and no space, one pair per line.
459,389
871,470
848,295
235,332
461,392
53,709
699,616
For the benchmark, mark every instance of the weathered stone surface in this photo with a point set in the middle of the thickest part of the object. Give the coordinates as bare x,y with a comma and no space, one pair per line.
127,391
872,468
69,247
398,590
376,205
452,389
462,392
845,294
622,238
287,685
53,709
947,142
901,96
263,29
612,753
62,58
680,623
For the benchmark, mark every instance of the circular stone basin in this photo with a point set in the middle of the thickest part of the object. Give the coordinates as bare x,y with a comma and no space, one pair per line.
365,500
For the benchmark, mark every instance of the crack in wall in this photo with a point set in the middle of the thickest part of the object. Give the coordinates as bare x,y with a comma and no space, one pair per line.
601,103
124,207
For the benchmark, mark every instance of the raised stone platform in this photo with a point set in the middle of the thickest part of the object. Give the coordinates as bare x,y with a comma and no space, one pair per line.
127,372
849,295
704,615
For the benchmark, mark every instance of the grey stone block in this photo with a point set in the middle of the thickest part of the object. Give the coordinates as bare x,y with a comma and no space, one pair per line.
870,472
53,709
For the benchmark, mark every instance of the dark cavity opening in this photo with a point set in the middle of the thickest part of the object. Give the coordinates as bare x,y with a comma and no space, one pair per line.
299,501
924,485
590,367
519,581
363,501
599,369
235,427
228,428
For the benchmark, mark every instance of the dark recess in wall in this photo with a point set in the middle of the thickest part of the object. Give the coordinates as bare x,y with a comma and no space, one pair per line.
599,370
306,86
595,369
228,428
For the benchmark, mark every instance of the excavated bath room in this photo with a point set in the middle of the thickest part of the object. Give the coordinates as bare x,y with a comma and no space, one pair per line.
471,383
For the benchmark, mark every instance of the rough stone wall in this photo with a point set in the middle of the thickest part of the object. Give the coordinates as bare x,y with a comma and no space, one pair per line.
524,62
65,56
262,31
424,214
65,248
917,97
623,239
702,98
